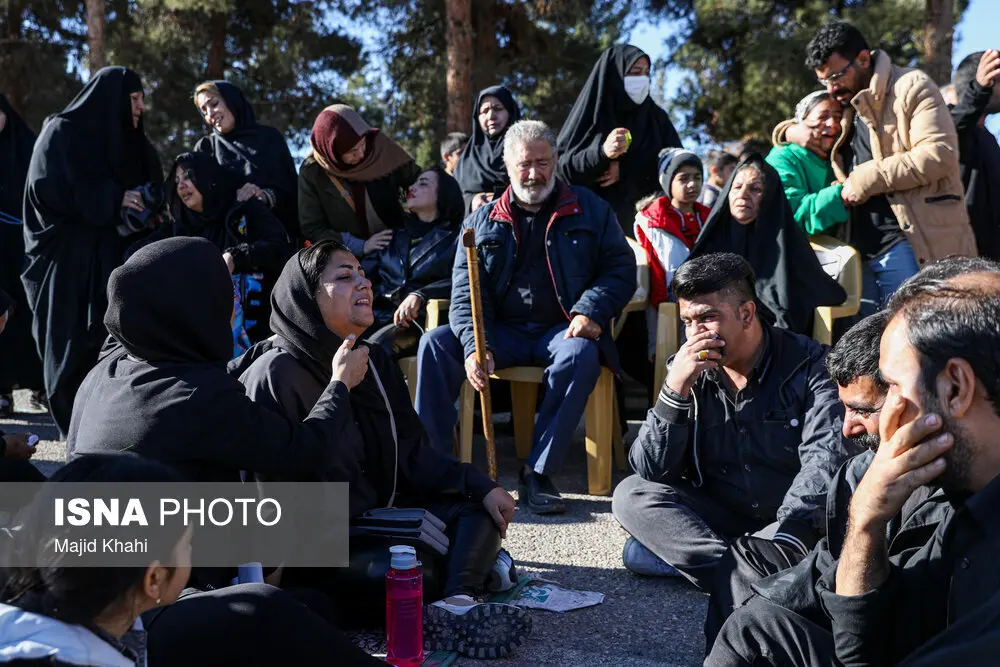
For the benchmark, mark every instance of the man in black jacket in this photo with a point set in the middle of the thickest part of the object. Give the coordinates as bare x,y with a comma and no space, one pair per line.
936,597
554,268
746,430
978,151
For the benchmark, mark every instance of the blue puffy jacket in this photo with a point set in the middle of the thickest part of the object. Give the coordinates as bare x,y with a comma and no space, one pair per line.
591,264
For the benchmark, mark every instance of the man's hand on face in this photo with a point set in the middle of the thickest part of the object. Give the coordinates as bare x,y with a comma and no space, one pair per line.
806,137
700,353
582,326
909,456
989,69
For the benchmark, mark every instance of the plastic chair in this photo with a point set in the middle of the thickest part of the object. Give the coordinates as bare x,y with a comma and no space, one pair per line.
408,365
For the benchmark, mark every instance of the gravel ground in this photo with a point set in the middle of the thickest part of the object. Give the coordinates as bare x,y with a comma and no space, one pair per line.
643,622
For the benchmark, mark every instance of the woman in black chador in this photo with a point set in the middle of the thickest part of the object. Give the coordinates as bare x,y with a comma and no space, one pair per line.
19,362
85,173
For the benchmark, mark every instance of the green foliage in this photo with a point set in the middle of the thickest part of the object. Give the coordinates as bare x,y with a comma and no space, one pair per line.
542,50
744,59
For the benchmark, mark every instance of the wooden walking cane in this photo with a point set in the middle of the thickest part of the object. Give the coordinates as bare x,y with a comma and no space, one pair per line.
478,330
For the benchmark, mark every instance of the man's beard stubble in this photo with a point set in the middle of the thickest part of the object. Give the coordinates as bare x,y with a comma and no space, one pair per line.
869,441
958,459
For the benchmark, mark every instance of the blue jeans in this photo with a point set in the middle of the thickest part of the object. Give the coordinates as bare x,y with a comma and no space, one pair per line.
882,276
572,367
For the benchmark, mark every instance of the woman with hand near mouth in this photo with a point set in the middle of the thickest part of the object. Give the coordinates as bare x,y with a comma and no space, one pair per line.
806,174
752,218
481,171
351,187
257,153
416,267
203,203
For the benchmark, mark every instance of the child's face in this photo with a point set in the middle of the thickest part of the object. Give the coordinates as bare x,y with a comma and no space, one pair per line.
686,186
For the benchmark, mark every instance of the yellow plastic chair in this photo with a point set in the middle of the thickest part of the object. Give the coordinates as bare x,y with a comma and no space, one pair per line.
408,365
600,415
829,251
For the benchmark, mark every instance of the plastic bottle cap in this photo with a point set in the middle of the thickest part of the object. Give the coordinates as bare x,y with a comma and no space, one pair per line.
403,557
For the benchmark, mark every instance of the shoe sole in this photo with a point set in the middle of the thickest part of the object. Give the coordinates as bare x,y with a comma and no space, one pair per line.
488,631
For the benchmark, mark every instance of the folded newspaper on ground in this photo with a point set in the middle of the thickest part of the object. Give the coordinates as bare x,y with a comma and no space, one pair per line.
550,596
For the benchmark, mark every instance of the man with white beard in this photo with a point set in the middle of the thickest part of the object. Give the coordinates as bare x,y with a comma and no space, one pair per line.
554,269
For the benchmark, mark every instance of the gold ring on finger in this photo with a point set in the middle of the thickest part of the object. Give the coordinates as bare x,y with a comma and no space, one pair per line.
703,355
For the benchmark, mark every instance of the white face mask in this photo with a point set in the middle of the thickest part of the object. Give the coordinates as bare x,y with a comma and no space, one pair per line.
637,88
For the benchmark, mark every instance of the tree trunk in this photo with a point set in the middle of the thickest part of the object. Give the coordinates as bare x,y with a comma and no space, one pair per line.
484,24
217,50
459,18
95,34
939,29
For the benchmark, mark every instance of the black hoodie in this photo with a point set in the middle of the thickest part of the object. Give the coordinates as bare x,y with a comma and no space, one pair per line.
290,377
790,280
161,388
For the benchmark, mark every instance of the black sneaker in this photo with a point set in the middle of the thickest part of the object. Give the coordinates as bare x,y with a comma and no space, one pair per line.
480,630
539,494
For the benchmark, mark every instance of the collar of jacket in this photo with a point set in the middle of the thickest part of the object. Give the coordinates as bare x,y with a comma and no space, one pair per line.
566,204
868,103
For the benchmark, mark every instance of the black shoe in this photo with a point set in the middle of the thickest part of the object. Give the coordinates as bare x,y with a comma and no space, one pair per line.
539,494
477,630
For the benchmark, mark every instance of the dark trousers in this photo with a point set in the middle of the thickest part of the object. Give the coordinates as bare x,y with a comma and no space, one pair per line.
358,591
396,341
763,633
572,366
679,523
249,624
19,470
748,560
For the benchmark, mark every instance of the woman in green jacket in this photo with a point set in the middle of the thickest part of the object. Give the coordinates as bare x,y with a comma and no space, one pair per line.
807,175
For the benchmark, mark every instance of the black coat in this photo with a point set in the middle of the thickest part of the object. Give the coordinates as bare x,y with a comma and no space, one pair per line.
979,156
257,154
381,467
161,389
85,159
19,362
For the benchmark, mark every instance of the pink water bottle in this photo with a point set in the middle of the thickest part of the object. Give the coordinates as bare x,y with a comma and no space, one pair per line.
404,612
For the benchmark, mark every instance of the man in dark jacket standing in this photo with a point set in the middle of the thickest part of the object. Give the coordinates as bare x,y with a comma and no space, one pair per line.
746,431
555,268
978,151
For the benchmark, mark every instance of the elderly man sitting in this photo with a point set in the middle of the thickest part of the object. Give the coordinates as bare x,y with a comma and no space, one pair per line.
554,270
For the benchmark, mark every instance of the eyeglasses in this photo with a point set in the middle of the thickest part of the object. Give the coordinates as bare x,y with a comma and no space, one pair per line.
834,78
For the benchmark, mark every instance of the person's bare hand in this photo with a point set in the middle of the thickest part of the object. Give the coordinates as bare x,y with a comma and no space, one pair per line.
849,195
611,176
133,200
378,242
229,261
582,326
989,68
910,456
690,362
408,311
481,199
350,365
806,137
17,446
616,143
500,506
478,378
248,191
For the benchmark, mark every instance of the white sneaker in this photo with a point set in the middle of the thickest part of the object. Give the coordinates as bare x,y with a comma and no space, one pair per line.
503,577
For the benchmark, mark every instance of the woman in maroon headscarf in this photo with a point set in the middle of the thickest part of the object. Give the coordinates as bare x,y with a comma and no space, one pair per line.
352,187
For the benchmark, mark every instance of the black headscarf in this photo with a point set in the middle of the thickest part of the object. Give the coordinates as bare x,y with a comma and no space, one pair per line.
481,168
790,280
450,206
258,153
602,106
298,322
216,184
172,302
16,142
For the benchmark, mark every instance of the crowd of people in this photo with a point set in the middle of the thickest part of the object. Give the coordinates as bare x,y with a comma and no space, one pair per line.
242,318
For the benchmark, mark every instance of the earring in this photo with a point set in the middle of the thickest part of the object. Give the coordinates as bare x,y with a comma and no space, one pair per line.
157,600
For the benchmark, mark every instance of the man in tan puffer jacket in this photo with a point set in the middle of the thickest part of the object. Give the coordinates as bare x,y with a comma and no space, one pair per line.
898,159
